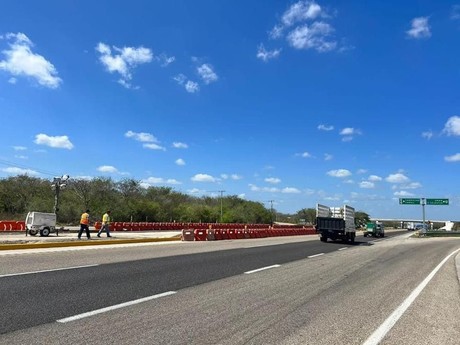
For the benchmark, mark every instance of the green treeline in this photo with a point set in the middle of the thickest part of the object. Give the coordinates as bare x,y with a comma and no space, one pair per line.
127,199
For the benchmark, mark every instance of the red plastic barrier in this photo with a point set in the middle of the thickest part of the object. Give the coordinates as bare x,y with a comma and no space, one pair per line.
232,234
239,233
225,234
218,234
188,235
200,234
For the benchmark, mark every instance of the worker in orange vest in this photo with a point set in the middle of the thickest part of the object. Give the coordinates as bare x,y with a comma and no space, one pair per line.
84,225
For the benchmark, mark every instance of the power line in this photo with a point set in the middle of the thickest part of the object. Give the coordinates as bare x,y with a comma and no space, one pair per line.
23,166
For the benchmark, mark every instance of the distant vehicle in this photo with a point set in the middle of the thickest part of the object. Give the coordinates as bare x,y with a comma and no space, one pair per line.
336,223
410,226
419,227
40,222
374,229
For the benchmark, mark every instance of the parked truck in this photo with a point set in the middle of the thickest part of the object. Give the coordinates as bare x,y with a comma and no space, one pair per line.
335,223
375,229
40,222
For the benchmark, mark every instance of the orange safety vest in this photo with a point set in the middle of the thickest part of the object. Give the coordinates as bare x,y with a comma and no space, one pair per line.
84,218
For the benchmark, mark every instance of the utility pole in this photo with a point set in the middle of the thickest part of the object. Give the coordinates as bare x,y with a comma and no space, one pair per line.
221,198
58,184
271,211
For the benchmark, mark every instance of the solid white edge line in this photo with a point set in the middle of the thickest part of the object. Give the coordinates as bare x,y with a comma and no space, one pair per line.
262,269
314,256
113,307
343,248
44,271
376,337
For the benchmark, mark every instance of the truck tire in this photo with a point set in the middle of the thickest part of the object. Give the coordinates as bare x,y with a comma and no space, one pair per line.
33,232
365,235
352,237
323,239
44,232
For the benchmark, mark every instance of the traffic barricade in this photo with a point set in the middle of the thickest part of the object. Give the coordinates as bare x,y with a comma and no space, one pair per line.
200,234
188,235
232,234
225,234
239,234
218,234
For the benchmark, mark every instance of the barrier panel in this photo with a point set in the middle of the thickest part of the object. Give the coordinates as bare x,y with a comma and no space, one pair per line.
239,234
231,234
225,234
210,235
200,234
188,235
246,233
218,234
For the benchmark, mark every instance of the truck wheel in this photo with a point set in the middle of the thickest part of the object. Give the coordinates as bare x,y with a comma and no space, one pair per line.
33,232
323,239
365,235
44,232
352,238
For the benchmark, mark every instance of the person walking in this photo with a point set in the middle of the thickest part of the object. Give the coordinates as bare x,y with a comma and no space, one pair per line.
105,224
84,225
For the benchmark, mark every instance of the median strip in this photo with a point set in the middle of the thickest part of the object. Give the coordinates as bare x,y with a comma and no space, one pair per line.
114,307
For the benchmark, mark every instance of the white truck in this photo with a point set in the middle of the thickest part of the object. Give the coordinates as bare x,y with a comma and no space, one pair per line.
336,223
40,222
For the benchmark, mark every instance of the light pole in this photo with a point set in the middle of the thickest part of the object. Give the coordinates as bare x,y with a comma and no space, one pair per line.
58,184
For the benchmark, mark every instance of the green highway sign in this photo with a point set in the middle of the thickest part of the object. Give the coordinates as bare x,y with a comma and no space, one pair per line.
437,201
409,201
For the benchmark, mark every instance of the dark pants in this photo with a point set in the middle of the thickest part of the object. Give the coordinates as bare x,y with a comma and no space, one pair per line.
86,228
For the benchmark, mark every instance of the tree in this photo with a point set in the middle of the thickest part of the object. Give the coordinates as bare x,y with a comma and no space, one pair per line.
361,219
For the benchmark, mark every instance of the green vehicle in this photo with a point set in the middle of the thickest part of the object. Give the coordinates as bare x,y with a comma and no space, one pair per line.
374,229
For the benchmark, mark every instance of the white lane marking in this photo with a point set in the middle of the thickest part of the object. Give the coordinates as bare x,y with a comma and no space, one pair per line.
77,248
343,248
376,337
114,307
262,269
44,271
314,256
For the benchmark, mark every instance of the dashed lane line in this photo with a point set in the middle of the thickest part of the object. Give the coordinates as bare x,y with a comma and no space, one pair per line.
262,269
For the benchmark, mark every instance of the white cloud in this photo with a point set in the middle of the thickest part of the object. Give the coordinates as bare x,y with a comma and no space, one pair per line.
19,171
328,157
339,173
419,29
374,178
21,61
207,73
191,86
301,11
397,178
361,171
123,60
453,158
180,79
19,148
165,60
412,185
179,145
452,126
349,133
142,137
427,135
305,155
60,142
314,36
366,184
107,169
153,146
180,162
21,157
203,178
266,55
12,80
403,193
159,180
236,177
273,180
325,127
290,190
255,188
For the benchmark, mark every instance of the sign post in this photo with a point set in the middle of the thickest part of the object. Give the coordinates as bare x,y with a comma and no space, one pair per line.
423,202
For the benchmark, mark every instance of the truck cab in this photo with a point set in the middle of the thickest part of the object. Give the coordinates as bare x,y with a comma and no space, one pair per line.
374,229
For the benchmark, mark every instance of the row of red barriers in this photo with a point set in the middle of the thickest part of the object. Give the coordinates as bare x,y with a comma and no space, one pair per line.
12,225
234,234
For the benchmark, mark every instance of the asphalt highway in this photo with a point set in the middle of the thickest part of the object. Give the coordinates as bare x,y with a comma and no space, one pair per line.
292,290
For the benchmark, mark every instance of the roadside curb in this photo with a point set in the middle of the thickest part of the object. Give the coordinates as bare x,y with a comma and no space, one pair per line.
457,265
81,243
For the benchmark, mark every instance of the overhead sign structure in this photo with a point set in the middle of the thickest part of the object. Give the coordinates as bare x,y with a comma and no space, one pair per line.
437,201
409,201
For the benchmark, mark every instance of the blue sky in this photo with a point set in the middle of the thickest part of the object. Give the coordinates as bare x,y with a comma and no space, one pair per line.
298,102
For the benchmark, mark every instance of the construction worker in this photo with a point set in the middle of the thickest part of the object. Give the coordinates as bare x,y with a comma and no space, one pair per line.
105,224
84,225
